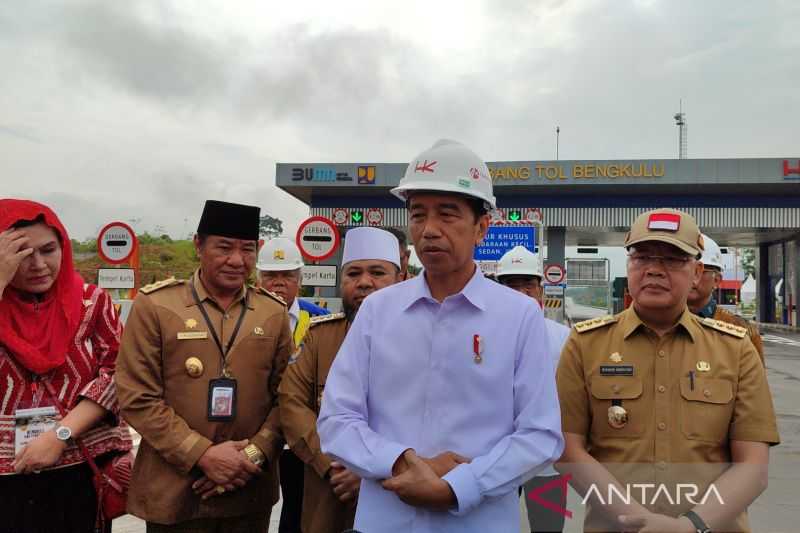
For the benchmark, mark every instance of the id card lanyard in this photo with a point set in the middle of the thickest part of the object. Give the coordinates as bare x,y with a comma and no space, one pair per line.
223,351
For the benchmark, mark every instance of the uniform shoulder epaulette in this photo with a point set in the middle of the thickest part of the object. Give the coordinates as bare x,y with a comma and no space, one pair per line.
265,292
321,319
594,323
158,285
725,327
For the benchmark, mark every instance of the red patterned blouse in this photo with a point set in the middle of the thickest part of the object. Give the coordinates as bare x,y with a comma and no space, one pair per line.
88,372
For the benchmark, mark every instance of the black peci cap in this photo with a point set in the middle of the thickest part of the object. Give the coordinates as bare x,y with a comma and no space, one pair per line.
225,219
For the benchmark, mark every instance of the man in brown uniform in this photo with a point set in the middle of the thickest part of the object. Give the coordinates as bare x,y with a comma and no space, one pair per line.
701,297
370,262
197,377
658,395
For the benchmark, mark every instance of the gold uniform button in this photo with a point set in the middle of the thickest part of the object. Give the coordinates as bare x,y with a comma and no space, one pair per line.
661,353
662,388
707,393
662,426
194,367
615,388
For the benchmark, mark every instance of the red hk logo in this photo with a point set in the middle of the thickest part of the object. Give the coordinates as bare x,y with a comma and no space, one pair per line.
789,170
474,173
425,166
562,483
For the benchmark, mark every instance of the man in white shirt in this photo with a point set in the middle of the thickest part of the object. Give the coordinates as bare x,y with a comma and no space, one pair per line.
442,397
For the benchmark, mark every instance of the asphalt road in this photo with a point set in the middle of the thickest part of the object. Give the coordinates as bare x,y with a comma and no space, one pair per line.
776,511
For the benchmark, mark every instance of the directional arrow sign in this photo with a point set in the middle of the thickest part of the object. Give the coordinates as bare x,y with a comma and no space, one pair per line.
357,217
514,216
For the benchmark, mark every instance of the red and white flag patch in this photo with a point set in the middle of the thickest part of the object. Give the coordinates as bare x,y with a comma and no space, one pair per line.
664,221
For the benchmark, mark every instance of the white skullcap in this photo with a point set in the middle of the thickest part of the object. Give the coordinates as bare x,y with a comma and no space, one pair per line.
370,243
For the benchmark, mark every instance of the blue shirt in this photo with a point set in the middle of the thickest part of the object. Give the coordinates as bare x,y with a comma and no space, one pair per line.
406,377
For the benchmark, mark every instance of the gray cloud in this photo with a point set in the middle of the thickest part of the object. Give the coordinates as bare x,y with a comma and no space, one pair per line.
130,96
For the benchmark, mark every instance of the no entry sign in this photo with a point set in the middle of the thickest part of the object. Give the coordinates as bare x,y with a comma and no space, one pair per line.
317,238
554,274
116,243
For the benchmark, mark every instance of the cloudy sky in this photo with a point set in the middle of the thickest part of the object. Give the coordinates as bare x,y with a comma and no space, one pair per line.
143,109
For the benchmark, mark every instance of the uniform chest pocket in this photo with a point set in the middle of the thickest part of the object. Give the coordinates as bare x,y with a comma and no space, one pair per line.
620,391
707,408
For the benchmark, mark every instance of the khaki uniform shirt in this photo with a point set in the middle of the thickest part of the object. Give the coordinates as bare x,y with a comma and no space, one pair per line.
300,400
752,329
168,405
673,419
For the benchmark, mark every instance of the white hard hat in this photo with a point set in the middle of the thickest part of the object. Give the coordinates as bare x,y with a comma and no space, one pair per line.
280,253
519,261
712,255
448,166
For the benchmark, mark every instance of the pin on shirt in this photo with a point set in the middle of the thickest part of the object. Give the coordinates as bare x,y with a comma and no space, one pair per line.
477,348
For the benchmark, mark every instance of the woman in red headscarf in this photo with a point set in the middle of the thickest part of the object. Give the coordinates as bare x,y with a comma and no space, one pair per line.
56,334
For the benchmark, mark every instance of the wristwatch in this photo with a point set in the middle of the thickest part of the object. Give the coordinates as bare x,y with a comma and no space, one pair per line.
254,454
63,433
698,523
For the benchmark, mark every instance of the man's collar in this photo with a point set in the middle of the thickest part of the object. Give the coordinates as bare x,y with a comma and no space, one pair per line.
709,309
631,322
473,291
294,309
203,294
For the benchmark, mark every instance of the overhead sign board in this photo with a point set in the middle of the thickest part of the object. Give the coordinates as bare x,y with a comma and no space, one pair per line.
116,278
317,238
500,239
319,276
116,243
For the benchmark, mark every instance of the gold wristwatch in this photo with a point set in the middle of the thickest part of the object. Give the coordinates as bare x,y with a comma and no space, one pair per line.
254,454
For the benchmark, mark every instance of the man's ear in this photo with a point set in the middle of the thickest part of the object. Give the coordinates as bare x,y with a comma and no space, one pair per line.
483,228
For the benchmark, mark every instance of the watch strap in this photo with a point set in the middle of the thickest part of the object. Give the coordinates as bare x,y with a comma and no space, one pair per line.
698,523
254,454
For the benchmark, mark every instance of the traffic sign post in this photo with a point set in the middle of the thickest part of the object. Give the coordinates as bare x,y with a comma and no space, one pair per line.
318,238
340,216
374,216
117,244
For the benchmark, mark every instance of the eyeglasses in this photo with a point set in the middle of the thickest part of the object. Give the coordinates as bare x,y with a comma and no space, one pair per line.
668,262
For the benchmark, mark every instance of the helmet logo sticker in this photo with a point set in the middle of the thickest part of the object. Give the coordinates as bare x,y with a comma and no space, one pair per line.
474,173
425,166
279,254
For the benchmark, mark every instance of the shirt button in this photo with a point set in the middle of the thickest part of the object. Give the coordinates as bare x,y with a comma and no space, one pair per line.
707,393
662,388
661,353
662,426
227,316
615,388
661,465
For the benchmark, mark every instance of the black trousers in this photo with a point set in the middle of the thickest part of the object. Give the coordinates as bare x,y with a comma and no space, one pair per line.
291,478
54,501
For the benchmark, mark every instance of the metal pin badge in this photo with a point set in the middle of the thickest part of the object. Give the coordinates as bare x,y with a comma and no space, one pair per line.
191,323
703,366
194,367
615,357
258,330
477,348
617,417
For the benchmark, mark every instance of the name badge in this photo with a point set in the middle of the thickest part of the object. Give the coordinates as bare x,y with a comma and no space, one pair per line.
30,423
616,370
189,335
222,399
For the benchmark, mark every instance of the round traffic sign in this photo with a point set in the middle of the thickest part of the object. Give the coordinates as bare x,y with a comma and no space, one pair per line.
554,274
340,216
317,238
533,215
116,243
374,216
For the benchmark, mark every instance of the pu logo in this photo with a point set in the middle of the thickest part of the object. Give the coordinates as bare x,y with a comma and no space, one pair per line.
366,175
279,254
789,170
